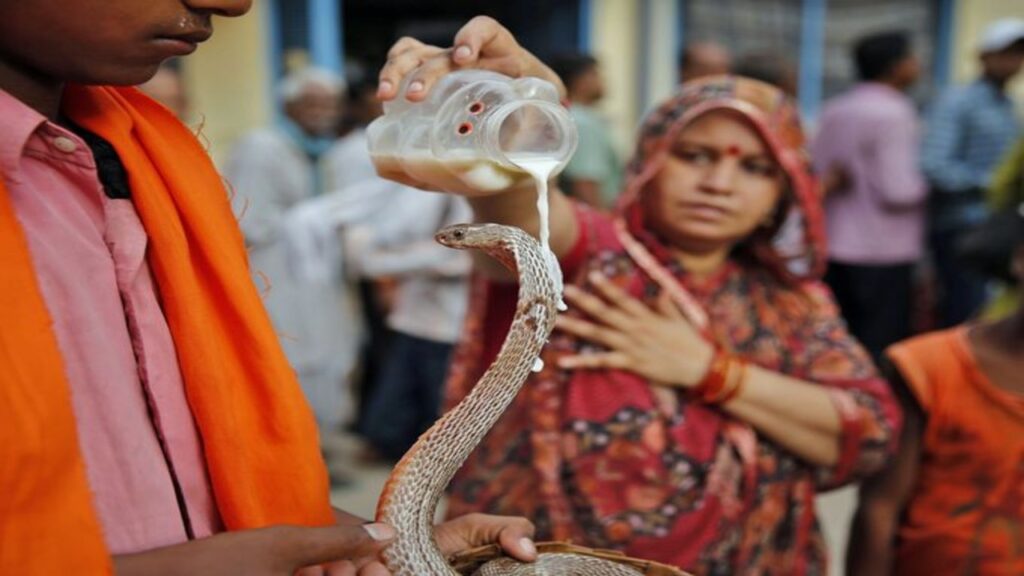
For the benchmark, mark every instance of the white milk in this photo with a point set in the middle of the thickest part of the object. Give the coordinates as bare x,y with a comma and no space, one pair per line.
471,175
538,365
540,167
463,175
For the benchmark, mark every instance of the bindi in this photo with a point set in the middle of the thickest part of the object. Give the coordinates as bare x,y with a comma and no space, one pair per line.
733,150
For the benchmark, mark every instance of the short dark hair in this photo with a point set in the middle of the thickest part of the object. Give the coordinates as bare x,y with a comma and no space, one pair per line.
570,66
877,54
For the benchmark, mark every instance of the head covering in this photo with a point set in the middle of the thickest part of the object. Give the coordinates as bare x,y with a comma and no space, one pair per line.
1001,34
776,119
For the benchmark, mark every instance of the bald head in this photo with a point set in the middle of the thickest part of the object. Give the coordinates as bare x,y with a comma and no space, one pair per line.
703,59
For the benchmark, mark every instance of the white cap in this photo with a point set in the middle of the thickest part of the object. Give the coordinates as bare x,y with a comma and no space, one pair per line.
1001,34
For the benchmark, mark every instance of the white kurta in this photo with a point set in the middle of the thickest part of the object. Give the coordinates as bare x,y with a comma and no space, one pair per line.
433,289
315,318
390,232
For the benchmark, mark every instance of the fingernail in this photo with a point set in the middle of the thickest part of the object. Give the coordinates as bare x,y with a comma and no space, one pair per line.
528,546
384,87
380,532
463,52
416,86
596,277
570,290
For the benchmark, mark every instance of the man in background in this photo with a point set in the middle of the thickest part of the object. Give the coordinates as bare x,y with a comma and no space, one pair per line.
969,129
594,174
876,217
272,170
703,59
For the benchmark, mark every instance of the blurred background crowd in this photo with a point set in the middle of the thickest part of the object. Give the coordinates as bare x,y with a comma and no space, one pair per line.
369,308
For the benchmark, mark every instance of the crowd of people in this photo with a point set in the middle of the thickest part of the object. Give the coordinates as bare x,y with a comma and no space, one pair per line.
758,313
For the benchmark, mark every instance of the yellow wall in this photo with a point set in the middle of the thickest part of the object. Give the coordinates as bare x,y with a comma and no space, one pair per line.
971,18
614,41
662,23
228,78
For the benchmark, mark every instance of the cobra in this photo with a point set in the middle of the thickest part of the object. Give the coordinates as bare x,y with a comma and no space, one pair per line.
411,495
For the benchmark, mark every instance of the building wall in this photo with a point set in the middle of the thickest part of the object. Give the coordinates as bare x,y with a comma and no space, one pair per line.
659,77
971,18
614,41
228,80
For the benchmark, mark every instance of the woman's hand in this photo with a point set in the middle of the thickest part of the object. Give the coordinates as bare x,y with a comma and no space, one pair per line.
659,345
482,43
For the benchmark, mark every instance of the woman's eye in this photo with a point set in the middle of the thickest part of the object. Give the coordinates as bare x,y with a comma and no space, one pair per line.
760,168
693,156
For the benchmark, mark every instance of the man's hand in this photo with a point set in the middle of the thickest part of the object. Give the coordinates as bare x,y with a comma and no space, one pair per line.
472,530
274,551
482,43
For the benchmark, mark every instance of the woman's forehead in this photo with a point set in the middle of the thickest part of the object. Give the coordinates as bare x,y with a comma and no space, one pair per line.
723,128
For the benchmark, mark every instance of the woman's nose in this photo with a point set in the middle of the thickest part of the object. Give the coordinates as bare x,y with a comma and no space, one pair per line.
719,177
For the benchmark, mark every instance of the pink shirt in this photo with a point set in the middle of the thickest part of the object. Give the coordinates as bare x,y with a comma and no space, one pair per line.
137,435
872,132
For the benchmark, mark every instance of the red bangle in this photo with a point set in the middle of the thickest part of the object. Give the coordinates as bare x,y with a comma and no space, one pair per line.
711,385
724,380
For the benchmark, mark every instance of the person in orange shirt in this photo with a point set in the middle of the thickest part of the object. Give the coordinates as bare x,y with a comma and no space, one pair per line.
151,422
952,502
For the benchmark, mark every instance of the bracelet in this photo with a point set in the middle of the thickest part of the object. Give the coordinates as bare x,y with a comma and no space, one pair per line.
724,380
736,384
714,380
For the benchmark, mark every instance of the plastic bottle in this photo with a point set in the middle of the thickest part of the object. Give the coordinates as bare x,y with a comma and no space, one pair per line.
478,132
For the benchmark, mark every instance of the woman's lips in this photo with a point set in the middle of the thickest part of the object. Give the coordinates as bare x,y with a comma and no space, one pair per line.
702,211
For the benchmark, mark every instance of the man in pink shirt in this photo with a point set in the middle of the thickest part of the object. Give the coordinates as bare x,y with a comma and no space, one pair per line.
876,214
145,461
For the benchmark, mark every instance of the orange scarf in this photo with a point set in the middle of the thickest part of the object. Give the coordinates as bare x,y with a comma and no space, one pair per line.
259,437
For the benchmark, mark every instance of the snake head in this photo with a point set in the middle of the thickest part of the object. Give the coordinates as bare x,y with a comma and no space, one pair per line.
472,235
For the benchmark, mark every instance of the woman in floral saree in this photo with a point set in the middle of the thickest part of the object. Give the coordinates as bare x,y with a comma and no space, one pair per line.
698,393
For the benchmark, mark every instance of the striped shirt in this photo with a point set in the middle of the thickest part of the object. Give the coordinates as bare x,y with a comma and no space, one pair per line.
969,129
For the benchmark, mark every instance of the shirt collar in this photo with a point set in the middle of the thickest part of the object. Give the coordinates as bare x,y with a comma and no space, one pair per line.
881,89
20,121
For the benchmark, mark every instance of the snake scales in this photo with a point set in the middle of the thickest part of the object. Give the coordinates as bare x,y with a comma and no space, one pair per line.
411,495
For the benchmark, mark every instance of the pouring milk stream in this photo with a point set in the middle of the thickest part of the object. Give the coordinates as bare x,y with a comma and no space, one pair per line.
478,132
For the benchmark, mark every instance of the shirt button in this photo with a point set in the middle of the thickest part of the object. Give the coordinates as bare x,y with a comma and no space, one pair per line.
64,144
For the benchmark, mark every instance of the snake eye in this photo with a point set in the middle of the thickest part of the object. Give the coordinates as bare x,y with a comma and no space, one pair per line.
476,107
459,234
464,129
